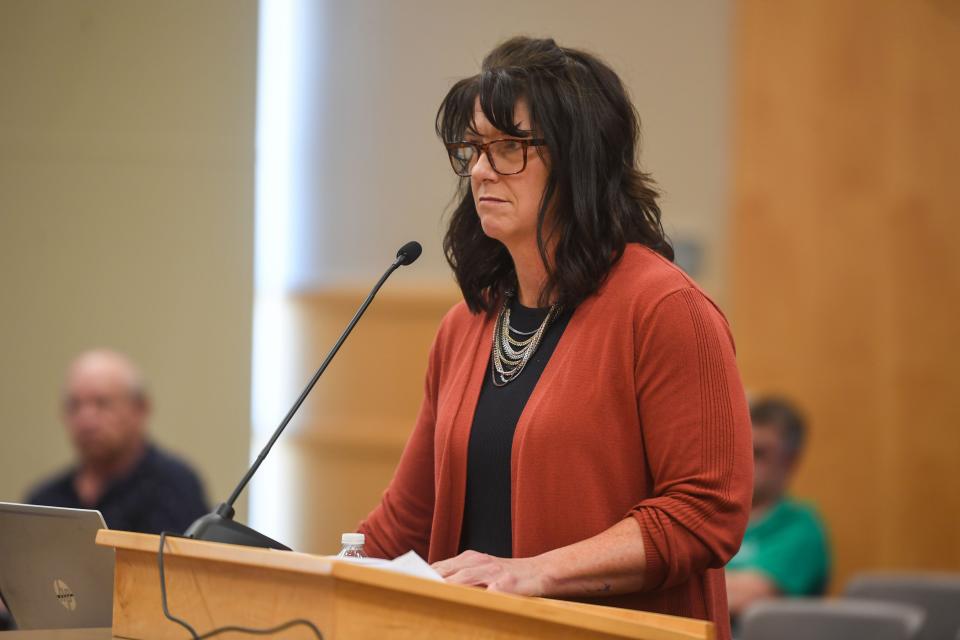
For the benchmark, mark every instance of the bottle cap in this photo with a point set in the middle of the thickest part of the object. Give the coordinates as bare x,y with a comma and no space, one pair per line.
352,538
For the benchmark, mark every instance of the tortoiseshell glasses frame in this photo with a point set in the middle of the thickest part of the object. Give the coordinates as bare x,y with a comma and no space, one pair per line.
511,153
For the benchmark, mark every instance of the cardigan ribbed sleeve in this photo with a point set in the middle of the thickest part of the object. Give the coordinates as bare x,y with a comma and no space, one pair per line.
697,439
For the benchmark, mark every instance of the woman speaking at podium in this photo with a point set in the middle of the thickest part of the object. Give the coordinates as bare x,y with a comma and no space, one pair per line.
583,432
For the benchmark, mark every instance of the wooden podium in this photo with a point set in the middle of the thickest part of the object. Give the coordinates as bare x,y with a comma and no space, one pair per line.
212,585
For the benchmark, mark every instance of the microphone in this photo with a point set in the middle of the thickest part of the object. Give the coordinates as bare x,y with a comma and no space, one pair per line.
409,253
219,525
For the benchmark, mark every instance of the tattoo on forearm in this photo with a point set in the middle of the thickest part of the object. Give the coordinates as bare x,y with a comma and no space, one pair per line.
603,588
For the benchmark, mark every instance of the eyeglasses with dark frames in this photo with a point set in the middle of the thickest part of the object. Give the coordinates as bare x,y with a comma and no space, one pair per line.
507,156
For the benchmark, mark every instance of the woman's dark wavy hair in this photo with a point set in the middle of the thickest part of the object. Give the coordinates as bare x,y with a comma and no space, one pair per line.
600,200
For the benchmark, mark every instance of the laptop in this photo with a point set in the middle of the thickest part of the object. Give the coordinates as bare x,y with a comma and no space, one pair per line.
52,574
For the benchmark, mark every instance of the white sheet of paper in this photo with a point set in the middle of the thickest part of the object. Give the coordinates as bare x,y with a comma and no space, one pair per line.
409,564
412,564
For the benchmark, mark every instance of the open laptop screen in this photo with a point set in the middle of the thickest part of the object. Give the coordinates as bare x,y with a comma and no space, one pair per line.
52,573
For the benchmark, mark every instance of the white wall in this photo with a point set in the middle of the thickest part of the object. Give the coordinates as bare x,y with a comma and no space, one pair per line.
378,69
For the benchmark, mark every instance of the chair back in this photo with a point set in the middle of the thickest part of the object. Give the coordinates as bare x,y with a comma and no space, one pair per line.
844,619
938,594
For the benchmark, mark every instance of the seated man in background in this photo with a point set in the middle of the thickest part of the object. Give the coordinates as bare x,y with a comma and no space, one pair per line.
785,551
135,485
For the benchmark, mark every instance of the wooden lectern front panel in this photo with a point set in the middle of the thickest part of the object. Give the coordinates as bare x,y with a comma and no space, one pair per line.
213,594
215,585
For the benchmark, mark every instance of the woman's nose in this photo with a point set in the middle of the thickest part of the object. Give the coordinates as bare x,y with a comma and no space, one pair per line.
482,169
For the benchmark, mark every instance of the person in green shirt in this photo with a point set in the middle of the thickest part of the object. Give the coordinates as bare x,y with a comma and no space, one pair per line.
785,550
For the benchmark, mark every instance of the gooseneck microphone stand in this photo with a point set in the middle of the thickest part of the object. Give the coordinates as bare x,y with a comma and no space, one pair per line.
219,525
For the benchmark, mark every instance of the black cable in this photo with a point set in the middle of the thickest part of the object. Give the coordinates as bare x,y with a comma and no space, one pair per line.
215,632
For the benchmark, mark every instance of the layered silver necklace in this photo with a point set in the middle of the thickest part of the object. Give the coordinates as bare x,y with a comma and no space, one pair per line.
512,349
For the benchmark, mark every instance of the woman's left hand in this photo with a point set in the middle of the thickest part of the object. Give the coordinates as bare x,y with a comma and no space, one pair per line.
523,576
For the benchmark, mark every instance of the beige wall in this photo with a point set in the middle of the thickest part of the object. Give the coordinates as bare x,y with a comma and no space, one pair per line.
126,218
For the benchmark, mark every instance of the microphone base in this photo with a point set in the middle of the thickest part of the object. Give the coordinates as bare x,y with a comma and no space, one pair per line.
219,526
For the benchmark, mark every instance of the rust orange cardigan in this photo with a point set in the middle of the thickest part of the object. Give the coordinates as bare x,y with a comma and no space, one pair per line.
640,413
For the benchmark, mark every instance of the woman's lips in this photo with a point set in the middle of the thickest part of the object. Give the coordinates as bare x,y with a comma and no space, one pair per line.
490,200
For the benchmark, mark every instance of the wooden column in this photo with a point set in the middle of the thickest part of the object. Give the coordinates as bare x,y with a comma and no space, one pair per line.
846,260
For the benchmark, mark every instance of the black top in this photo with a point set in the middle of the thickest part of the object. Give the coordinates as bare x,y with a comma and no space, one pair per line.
486,512
161,494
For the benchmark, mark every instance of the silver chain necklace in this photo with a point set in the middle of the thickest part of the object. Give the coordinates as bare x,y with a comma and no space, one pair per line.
510,355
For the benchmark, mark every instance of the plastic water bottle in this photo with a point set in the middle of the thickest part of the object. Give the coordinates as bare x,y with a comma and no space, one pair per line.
352,546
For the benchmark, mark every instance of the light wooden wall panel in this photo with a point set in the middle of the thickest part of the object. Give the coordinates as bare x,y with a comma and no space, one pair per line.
845,269
345,444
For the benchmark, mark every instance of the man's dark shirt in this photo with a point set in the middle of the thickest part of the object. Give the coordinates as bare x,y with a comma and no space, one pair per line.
161,494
